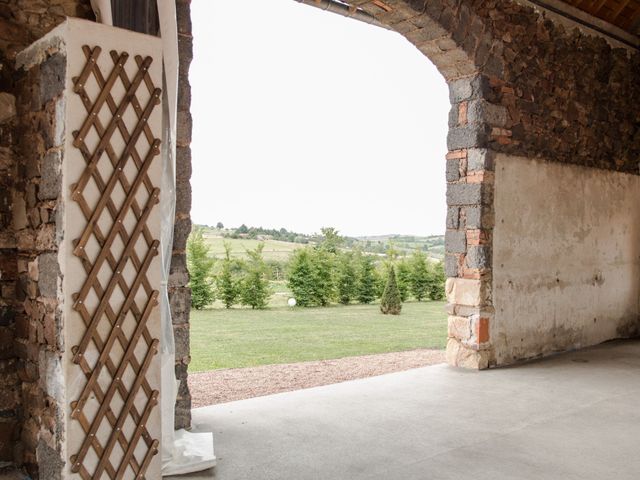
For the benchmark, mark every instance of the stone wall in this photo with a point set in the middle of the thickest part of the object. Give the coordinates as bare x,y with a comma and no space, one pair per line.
28,192
27,206
179,293
40,136
567,93
519,84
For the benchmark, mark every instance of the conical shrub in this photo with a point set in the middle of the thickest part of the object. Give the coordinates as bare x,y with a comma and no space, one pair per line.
391,303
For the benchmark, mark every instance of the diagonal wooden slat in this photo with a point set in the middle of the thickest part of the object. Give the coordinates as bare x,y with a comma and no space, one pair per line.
106,138
112,262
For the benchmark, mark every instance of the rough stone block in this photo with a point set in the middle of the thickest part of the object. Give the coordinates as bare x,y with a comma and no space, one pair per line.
455,241
180,303
464,194
52,71
479,257
181,231
183,128
51,177
463,291
451,265
459,327
459,355
481,111
473,216
19,211
50,462
453,115
453,170
49,272
453,217
181,336
469,136
460,90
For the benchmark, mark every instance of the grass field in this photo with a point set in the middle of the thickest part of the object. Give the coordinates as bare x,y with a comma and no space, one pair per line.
244,338
273,249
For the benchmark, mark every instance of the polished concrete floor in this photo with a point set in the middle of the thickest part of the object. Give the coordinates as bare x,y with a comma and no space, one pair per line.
573,416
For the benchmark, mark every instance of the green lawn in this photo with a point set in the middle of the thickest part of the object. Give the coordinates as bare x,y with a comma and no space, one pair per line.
245,338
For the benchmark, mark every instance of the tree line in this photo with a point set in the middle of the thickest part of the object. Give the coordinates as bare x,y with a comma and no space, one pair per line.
323,274
317,275
232,281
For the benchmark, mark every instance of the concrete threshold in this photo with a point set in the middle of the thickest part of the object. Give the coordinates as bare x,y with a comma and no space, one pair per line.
573,416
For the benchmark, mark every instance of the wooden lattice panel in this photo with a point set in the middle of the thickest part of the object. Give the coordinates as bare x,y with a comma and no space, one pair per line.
115,349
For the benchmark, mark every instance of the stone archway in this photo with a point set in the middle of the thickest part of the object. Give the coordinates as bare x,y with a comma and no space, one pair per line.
468,59
507,111
543,243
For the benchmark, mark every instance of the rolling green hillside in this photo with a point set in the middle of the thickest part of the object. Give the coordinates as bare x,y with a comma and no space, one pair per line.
280,250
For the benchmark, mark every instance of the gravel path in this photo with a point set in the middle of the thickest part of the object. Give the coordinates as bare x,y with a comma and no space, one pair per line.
220,386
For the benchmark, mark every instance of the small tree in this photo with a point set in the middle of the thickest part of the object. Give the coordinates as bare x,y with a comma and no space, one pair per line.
437,281
403,275
219,225
200,266
420,276
226,281
390,302
366,287
301,277
331,239
323,265
254,288
346,278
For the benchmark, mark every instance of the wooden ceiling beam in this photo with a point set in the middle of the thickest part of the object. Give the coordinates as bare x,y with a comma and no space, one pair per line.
615,12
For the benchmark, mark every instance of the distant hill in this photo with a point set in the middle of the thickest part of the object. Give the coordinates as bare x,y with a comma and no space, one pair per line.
279,243
433,244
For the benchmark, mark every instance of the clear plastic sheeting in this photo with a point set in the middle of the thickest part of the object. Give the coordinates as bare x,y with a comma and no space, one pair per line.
102,10
182,451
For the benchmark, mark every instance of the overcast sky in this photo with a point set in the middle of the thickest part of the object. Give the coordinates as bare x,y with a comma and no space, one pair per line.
304,119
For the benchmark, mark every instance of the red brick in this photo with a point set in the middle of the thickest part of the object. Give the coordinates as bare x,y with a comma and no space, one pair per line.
457,154
462,113
483,330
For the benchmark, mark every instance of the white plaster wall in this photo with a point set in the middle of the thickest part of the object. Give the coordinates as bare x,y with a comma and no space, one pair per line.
566,257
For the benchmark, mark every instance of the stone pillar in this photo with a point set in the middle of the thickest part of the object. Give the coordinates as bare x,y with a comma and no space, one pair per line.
38,229
90,119
179,292
475,122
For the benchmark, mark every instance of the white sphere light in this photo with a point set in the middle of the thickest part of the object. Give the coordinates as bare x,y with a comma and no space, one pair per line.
292,302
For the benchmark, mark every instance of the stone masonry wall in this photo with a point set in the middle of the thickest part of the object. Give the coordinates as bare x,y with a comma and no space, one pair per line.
21,23
36,204
179,293
520,84
28,316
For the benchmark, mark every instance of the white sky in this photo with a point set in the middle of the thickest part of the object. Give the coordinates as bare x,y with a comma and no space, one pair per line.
304,119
